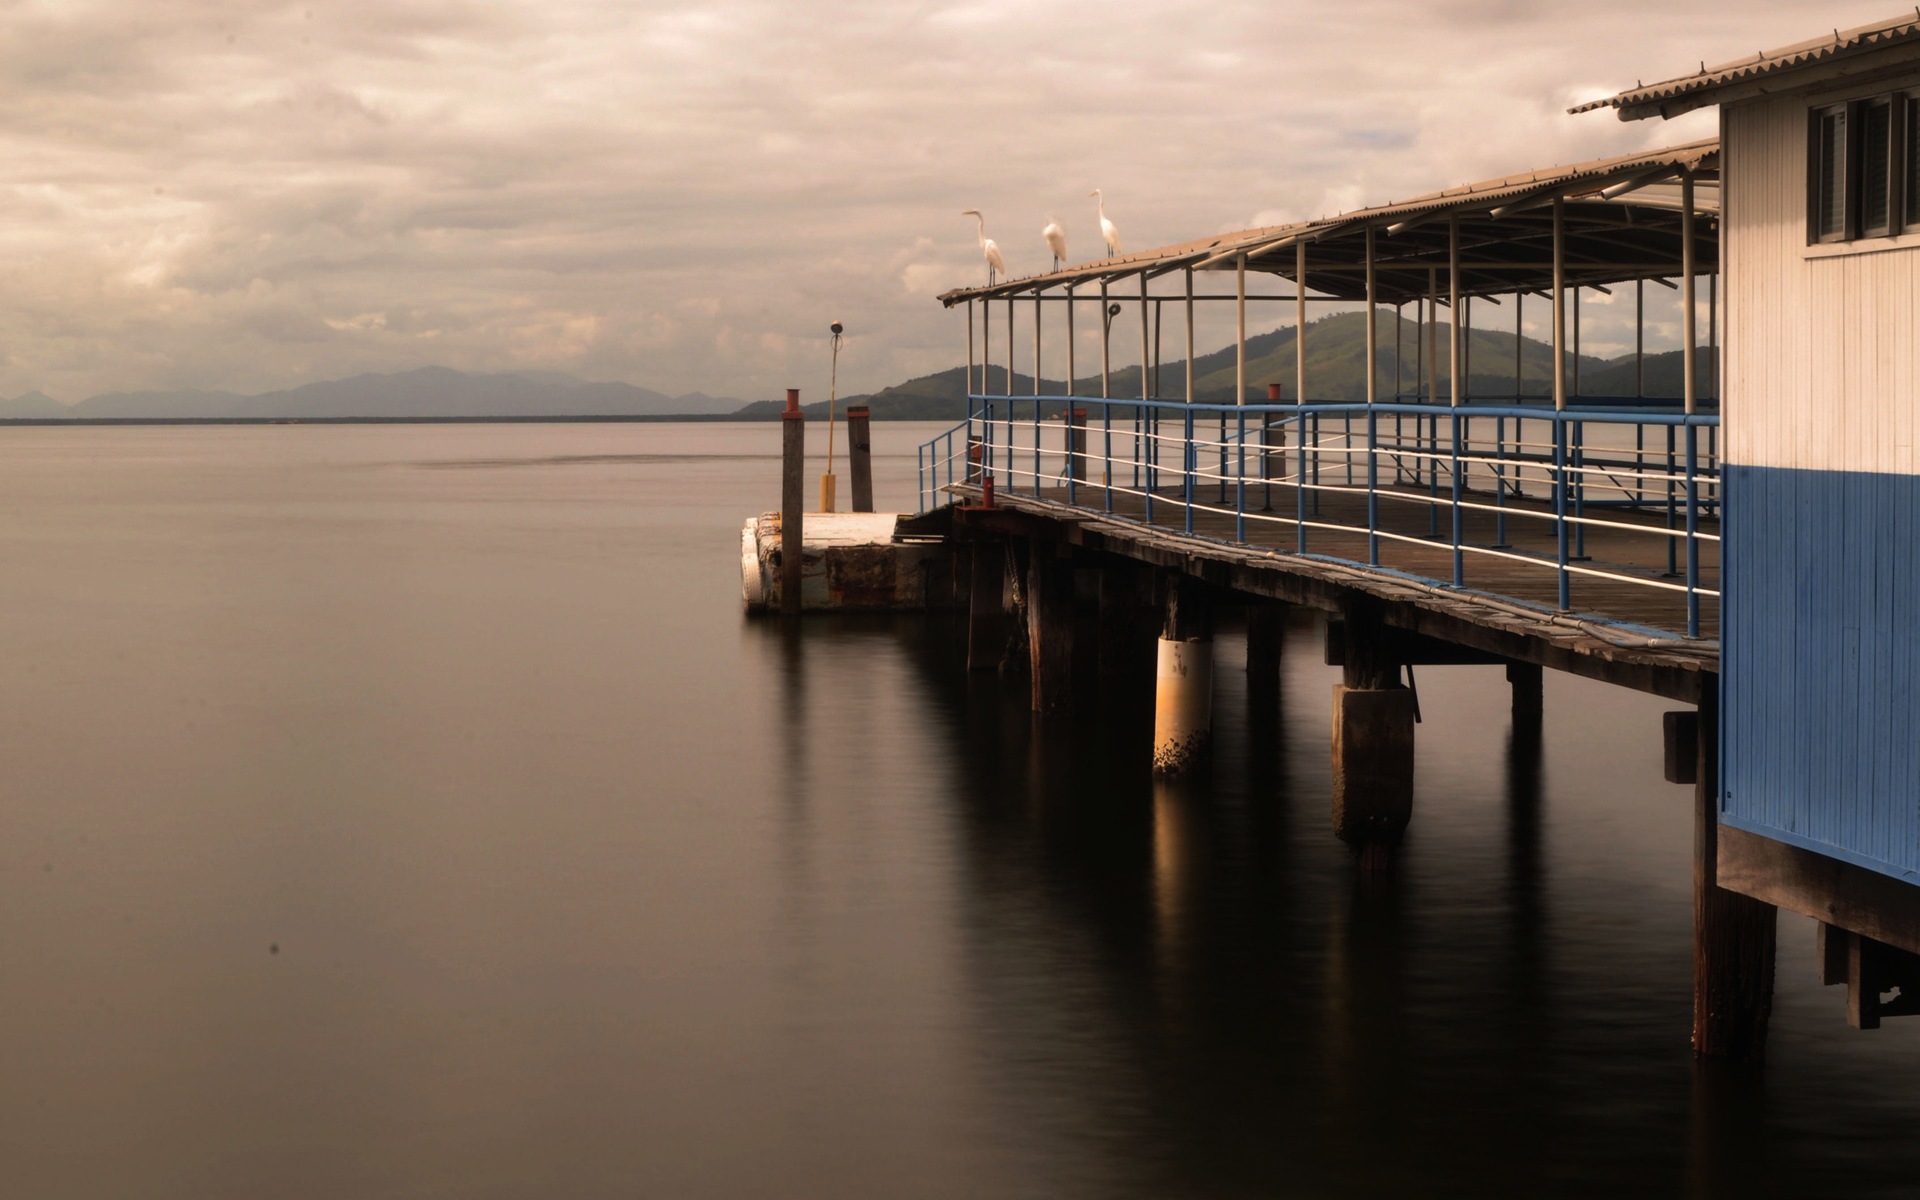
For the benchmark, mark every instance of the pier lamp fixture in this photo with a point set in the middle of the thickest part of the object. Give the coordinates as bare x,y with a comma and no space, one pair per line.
833,393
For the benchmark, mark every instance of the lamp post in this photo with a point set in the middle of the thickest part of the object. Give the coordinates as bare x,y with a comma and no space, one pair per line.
833,393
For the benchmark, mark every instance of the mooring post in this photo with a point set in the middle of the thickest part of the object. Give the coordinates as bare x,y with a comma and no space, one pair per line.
1183,680
1733,935
1529,700
1373,717
860,457
1050,624
987,622
793,462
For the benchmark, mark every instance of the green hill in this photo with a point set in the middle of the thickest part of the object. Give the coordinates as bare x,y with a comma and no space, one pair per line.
1336,372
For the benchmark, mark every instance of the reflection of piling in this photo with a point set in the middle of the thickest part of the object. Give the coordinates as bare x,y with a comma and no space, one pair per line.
793,461
860,457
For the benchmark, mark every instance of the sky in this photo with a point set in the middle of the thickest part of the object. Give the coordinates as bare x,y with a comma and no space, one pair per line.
247,196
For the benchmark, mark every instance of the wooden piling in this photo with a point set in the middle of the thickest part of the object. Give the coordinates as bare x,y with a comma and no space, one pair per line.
1076,419
1128,623
793,462
1733,935
1529,695
1050,624
1373,718
1266,631
987,622
860,457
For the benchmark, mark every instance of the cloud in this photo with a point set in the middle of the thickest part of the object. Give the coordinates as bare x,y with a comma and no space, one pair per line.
682,195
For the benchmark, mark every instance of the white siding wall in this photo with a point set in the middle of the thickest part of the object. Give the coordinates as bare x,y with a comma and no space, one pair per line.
1822,353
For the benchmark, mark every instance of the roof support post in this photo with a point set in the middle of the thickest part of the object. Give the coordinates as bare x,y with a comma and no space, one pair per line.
1560,399
1146,341
1300,325
1240,357
1038,308
1070,369
1455,377
1189,390
1009,349
1689,335
970,339
1373,389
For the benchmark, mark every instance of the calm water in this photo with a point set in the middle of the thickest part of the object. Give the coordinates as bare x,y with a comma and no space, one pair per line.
408,811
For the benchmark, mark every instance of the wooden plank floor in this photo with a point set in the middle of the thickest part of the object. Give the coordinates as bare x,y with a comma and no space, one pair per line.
1647,598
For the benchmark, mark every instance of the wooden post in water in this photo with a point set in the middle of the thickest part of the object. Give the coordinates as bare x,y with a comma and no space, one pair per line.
987,630
1373,718
1733,935
1266,629
793,462
1050,624
860,457
1529,701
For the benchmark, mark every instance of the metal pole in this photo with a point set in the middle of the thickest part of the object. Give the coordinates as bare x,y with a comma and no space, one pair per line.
1373,387
1433,397
1240,379
1454,350
1689,348
1560,398
1300,392
1070,359
1146,353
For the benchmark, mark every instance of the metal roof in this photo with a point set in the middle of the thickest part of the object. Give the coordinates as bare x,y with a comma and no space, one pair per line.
1622,222
1674,96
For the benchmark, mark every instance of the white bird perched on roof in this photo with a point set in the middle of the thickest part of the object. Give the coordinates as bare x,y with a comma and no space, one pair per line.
1107,232
995,264
1056,241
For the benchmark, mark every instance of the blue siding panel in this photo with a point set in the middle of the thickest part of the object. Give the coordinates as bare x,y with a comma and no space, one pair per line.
1820,662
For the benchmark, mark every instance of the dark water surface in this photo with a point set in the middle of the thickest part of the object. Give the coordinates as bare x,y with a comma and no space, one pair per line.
408,812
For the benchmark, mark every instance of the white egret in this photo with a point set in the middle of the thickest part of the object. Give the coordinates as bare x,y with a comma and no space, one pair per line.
995,264
1056,241
1107,231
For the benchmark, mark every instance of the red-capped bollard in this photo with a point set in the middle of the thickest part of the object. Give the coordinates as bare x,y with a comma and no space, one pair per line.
1273,393
793,463
986,490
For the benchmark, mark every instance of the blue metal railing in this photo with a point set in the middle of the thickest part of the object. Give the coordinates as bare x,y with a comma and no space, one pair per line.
1587,475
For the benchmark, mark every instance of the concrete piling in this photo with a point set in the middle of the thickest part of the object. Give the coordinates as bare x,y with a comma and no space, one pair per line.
1183,681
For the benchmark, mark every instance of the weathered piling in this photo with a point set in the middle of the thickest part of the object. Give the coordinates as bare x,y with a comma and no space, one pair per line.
1733,935
1373,718
1529,695
860,457
1129,620
1266,631
793,462
987,620
1076,421
1050,624
1183,681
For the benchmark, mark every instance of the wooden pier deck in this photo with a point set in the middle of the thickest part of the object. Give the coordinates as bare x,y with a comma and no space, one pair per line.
1506,608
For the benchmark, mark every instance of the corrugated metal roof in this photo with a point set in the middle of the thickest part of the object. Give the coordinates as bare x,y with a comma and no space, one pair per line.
1674,96
1512,191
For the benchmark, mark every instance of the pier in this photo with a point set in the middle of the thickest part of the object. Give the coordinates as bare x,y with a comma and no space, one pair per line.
1466,512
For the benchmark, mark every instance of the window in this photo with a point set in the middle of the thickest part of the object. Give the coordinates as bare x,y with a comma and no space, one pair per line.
1863,170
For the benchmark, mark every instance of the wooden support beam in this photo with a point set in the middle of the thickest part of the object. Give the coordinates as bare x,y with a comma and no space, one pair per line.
1410,649
1680,737
1841,894
1050,625
1733,934
1528,682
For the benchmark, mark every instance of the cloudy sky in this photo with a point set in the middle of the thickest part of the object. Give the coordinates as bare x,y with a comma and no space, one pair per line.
254,195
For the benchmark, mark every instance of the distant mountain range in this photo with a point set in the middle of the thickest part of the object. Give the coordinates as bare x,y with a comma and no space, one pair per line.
428,393
1336,371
